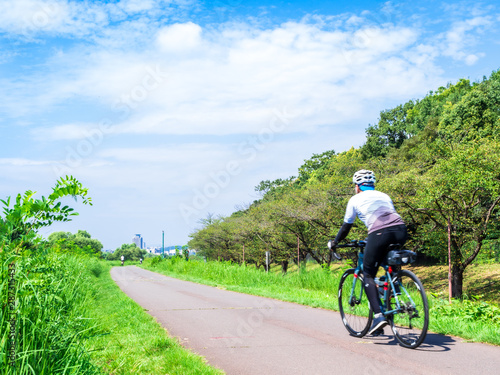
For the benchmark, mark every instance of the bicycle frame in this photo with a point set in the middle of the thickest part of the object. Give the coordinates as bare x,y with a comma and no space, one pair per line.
357,270
389,288
391,292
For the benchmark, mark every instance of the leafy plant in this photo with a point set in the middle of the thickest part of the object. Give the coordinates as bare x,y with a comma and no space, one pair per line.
468,310
37,293
19,223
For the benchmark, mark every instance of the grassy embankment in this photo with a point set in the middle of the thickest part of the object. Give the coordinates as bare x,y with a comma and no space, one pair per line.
470,319
71,318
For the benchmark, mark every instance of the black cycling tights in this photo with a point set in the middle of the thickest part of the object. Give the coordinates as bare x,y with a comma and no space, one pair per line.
376,249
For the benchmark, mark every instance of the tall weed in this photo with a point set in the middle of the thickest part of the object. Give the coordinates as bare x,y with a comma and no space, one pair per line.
50,295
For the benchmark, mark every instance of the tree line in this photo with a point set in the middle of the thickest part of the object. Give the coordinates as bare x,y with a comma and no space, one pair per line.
437,157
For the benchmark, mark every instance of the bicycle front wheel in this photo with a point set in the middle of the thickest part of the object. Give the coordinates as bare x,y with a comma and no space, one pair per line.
410,323
353,304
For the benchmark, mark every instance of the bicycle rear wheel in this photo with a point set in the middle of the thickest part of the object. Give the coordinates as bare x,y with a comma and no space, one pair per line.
410,323
353,304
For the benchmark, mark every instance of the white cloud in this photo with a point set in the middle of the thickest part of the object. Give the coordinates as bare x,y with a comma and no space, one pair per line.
191,153
179,37
232,85
471,59
26,16
32,18
228,80
135,6
20,162
461,36
237,77
66,132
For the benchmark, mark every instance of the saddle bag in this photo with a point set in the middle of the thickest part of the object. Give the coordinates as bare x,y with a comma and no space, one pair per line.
400,257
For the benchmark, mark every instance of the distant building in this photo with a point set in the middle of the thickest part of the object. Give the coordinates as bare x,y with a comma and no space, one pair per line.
139,241
153,250
167,251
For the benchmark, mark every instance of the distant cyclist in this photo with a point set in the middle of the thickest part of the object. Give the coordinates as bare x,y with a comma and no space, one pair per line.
385,227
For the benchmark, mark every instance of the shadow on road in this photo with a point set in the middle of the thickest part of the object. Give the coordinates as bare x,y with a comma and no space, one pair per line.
437,343
433,342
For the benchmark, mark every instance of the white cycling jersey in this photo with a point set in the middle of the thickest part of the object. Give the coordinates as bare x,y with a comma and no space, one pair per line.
374,208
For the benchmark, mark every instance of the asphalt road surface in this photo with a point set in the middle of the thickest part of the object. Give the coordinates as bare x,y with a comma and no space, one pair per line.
244,334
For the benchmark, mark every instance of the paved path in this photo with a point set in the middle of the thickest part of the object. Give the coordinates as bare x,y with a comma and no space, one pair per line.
244,334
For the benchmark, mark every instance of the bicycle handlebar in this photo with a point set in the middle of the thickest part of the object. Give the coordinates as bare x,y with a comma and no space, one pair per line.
352,244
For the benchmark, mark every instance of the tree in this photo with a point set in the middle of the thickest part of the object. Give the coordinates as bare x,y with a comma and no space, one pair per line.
260,233
458,198
185,252
79,242
476,117
390,132
129,251
271,190
398,125
314,169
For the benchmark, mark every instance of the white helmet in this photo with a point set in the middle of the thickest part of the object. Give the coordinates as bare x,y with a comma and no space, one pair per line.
364,177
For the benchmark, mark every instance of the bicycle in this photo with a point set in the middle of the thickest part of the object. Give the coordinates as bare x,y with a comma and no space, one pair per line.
401,296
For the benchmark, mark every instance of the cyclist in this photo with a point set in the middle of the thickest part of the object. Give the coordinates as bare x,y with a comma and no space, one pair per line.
385,227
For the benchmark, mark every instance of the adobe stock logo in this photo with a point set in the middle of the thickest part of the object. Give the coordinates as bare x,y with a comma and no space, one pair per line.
248,151
365,37
41,19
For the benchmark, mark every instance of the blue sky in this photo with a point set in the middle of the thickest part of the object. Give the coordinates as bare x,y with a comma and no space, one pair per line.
170,110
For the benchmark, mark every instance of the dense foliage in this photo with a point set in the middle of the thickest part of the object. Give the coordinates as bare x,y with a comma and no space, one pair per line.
129,251
42,292
80,242
436,157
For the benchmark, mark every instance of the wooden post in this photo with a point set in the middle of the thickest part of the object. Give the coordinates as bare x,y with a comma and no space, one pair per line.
298,253
268,259
449,261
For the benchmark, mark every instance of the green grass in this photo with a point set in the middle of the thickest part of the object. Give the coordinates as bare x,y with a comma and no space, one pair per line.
71,318
316,287
127,340
50,327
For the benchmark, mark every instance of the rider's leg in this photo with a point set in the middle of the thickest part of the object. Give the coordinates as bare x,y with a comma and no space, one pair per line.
375,252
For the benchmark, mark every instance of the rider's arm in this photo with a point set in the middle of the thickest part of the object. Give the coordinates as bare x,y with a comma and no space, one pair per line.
343,232
350,216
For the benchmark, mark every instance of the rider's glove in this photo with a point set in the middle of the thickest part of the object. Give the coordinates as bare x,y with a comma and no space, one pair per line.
334,245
